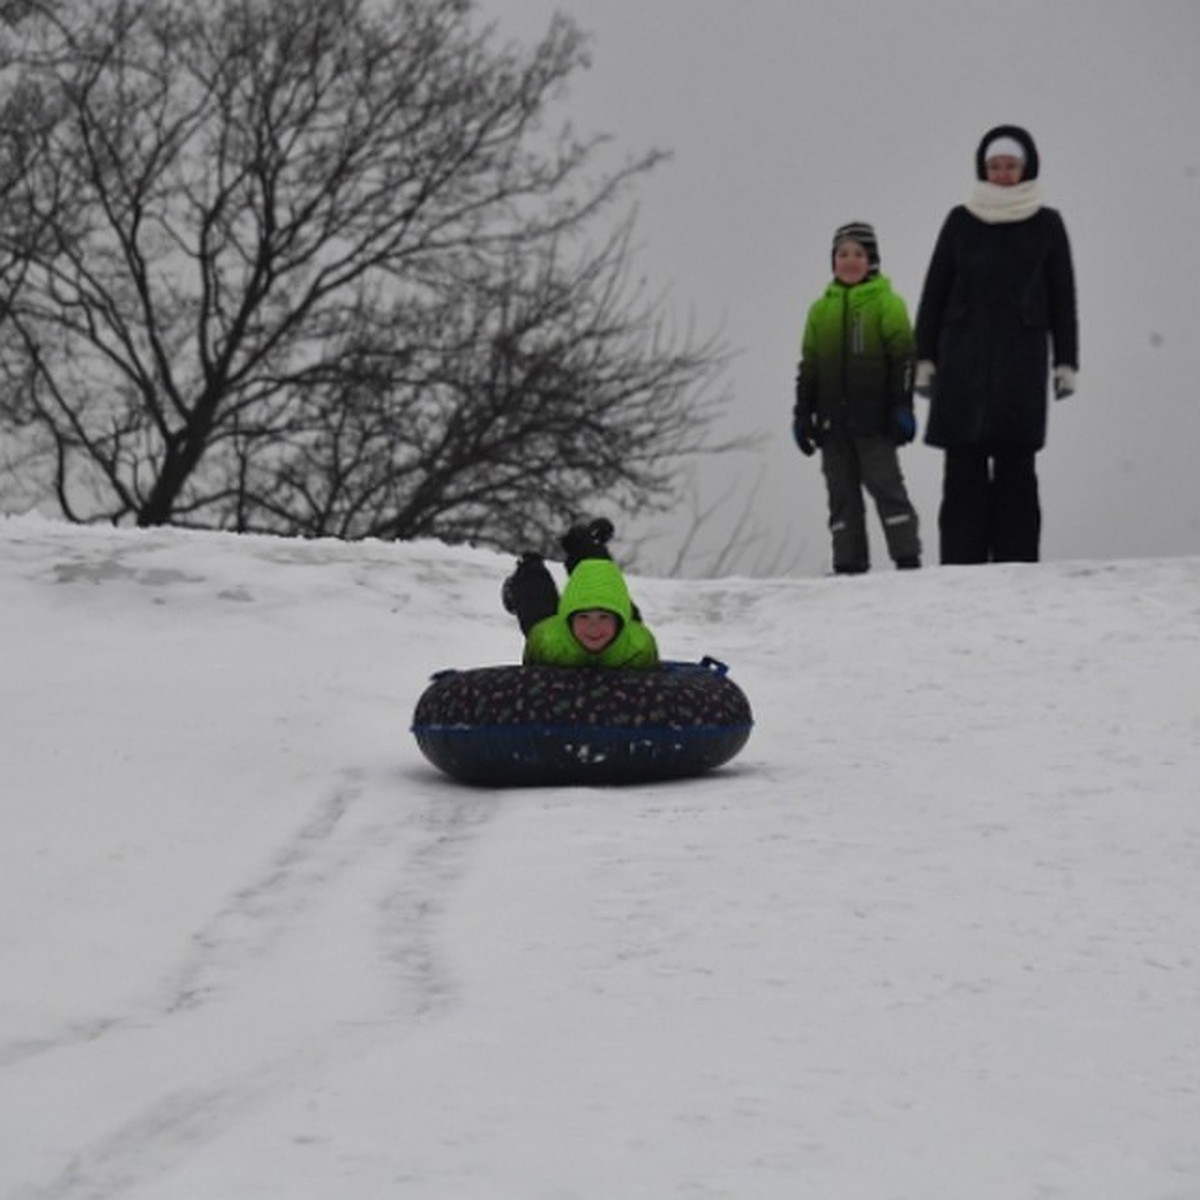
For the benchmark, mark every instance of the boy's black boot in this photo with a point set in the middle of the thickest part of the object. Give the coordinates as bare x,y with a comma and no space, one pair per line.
600,531
586,541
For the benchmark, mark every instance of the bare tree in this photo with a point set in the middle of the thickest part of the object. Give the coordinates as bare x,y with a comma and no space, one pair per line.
317,267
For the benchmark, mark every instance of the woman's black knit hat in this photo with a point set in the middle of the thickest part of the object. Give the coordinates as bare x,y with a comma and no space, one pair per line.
1030,170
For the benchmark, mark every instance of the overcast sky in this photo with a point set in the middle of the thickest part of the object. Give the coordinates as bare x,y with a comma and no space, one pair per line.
787,118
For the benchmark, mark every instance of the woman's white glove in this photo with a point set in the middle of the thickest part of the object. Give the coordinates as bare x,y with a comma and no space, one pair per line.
923,379
1064,382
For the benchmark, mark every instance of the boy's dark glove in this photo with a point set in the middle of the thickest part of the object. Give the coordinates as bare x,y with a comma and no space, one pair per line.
904,426
586,541
529,592
527,565
804,430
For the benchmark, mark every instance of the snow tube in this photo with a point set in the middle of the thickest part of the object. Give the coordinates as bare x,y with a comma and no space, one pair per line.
516,725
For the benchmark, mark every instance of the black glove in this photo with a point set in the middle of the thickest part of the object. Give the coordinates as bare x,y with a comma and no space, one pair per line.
529,592
804,430
904,425
586,541
527,565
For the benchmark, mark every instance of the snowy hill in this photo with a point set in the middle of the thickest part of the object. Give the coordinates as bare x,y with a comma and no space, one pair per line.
932,935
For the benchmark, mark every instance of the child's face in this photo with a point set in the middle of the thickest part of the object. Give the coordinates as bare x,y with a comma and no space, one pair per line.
594,628
1004,170
850,262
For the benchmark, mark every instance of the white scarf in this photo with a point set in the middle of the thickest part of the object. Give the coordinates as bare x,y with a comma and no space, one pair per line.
1001,205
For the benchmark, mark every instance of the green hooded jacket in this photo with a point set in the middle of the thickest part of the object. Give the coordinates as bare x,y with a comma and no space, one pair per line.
856,358
595,583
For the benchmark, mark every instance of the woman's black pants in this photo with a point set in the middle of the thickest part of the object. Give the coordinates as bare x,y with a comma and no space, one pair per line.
990,510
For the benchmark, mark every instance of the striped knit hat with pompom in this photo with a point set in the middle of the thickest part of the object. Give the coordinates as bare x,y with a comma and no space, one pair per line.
864,235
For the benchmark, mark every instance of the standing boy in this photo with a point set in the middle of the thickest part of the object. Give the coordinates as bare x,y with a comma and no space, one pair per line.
854,401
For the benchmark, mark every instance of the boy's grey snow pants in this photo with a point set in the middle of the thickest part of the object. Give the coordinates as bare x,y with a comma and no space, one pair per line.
850,465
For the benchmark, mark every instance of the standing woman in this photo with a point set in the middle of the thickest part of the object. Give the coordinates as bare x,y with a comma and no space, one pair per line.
997,307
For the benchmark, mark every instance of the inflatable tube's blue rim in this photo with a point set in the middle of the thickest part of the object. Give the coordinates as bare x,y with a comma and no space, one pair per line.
593,732
532,756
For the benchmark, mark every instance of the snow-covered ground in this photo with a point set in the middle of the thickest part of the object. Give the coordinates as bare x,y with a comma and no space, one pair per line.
933,935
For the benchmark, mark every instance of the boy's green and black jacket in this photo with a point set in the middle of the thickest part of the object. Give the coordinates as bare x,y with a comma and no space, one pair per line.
594,583
856,359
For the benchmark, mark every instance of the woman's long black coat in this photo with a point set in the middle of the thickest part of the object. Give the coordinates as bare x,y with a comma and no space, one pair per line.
998,300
